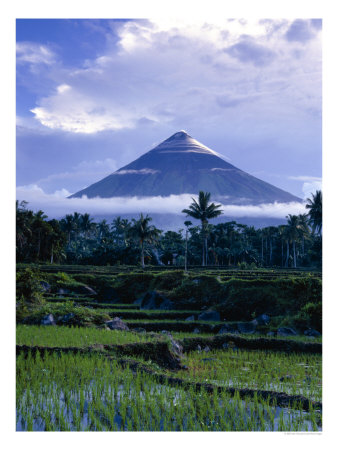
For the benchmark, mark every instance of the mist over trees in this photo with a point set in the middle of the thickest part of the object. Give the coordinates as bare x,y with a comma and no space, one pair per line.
78,239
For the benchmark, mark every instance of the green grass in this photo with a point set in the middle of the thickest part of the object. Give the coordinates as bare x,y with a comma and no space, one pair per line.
61,336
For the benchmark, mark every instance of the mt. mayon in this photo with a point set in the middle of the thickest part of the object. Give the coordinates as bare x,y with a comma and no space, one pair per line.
182,165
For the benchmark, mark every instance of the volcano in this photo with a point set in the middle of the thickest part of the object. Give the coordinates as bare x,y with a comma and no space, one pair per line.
182,165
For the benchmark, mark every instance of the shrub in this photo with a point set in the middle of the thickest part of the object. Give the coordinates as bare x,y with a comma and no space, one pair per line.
28,287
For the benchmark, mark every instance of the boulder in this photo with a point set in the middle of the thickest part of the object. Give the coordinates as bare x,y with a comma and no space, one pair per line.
190,319
263,319
196,331
286,331
116,324
45,287
271,333
138,301
155,300
175,347
206,349
48,320
310,332
212,316
66,318
246,327
139,330
226,329
86,290
63,291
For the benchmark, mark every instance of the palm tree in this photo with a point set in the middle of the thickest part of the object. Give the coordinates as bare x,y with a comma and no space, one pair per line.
68,225
38,226
203,211
86,224
283,237
303,229
143,232
293,234
314,206
187,224
103,229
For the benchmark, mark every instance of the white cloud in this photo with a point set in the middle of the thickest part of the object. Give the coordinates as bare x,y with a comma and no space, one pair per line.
305,178
32,53
139,172
311,187
172,71
55,205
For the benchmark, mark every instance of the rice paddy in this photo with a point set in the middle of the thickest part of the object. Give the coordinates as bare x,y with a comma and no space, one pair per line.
81,376
91,393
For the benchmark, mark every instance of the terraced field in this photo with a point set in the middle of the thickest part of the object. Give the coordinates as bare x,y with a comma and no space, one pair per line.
163,372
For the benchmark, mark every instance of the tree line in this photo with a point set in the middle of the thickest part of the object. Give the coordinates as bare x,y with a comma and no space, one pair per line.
78,239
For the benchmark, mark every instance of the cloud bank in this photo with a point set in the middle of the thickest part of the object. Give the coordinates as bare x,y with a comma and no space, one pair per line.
57,205
163,70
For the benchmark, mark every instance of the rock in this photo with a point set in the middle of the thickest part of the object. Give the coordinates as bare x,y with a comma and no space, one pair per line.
63,291
175,347
196,331
86,290
286,331
225,345
155,300
190,319
139,330
116,324
246,327
48,320
45,287
166,332
138,301
312,333
199,348
66,318
213,316
263,319
226,329
270,333
206,349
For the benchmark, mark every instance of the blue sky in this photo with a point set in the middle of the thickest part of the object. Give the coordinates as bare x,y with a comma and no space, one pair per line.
93,95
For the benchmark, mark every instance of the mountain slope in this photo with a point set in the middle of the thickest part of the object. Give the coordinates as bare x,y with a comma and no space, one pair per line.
179,165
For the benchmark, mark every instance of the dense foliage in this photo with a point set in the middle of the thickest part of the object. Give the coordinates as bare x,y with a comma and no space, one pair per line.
77,239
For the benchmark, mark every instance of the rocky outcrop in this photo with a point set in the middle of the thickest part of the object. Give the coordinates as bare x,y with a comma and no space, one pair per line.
116,324
246,327
312,333
154,300
263,319
286,331
190,319
48,320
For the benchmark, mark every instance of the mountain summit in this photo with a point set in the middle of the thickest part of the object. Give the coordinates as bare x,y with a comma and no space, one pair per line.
180,165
